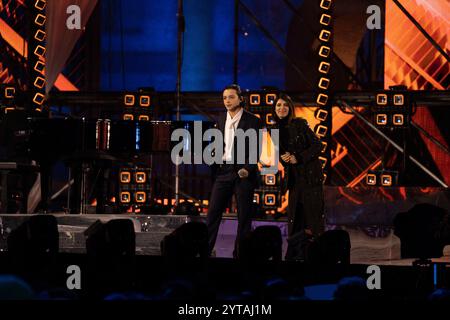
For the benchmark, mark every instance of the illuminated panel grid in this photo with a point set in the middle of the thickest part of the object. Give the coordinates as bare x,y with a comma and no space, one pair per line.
410,59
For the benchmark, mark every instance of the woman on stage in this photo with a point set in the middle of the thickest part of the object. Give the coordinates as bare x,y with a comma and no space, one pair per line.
299,151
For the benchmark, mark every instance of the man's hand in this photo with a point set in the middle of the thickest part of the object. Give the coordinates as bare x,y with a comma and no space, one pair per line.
243,173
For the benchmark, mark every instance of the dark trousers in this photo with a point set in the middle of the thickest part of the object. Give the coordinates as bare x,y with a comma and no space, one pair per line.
305,211
226,184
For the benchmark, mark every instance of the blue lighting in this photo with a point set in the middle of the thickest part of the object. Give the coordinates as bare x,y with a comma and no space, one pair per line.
149,44
138,137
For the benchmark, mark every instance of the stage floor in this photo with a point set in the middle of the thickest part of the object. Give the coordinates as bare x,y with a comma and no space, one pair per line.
366,247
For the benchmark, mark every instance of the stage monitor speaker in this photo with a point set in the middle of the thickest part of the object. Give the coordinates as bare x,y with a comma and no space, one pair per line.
116,238
262,244
38,236
186,243
424,231
330,248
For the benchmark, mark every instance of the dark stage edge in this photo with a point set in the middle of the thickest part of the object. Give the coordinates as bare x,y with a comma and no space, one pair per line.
151,229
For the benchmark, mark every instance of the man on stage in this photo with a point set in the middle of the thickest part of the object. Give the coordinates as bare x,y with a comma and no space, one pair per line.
233,177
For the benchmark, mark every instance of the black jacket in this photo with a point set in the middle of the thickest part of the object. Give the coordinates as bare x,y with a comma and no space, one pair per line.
247,121
306,146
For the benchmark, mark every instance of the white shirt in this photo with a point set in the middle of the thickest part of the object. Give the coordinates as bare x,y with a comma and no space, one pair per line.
231,125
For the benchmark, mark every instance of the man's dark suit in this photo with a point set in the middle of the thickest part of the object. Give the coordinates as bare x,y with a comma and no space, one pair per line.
227,182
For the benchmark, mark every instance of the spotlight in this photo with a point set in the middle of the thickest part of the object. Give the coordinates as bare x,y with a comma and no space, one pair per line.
324,161
270,199
144,101
39,82
386,180
321,114
255,99
382,99
325,35
143,117
39,35
270,98
371,179
125,177
129,100
399,99
125,197
258,115
398,119
141,177
269,118
270,179
325,19
324,67
256,198
40,4
324,83
40,20
39,51
128,117
39,67
381,119
325,4
10,92
324,146
320,130
39,98
324,51
140,197
322,99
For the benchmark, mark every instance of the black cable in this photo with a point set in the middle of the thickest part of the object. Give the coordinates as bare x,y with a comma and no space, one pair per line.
429,136
181,193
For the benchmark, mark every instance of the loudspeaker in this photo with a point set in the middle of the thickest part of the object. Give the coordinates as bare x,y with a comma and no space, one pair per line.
332,247
262,244
188,241
38,236
116,238
424,231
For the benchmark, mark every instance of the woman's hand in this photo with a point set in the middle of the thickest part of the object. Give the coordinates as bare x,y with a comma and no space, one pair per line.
286,157
293,159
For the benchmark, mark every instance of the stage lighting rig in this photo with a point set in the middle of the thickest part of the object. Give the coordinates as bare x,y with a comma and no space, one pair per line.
139,106
392,109
382,178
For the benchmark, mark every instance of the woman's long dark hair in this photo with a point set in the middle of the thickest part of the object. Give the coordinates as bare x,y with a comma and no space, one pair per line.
291,114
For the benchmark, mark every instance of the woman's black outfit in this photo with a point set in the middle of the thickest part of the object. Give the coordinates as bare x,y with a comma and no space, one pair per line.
305,184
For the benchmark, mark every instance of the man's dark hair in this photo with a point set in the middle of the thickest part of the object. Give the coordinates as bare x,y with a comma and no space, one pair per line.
238,90
235,87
